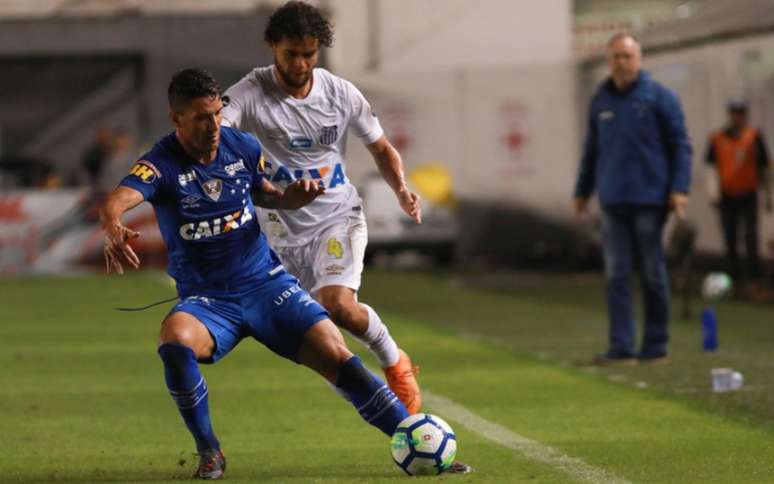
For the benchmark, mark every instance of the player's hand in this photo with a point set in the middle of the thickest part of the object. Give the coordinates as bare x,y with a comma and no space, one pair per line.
581,208
117,249
301,193
411,203
677,203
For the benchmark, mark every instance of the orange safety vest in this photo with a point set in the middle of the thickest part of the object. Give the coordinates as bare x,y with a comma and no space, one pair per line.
736,162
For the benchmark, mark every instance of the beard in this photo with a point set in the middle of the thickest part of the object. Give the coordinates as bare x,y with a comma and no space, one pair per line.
294,81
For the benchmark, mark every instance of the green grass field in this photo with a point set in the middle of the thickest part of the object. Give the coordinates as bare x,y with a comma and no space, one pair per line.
83,398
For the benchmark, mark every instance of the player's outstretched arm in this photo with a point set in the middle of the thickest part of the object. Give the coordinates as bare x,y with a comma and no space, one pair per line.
390,166
117,236
298,194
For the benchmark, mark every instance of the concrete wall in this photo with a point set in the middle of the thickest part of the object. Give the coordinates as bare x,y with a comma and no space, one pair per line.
227,45
436,35
487,90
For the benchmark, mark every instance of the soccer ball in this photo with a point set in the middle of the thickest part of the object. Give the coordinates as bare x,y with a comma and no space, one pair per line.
423,444
716,285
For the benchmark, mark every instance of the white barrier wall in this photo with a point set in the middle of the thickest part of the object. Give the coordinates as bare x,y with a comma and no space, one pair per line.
409,36
486,89
506,135
57,231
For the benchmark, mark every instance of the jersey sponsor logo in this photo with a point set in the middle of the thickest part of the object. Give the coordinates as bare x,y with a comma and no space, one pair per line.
335,249
185,178
190,201
284,176
235,167
203,299
329,135
334,270
213,188
287,294
605,115
219,225
300,142
145,171
306,300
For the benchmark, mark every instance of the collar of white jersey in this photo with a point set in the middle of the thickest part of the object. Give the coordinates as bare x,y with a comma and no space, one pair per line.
313,93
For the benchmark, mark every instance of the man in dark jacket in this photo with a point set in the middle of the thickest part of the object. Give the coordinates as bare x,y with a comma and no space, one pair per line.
638,157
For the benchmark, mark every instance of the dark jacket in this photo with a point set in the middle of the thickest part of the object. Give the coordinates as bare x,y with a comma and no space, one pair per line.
637,150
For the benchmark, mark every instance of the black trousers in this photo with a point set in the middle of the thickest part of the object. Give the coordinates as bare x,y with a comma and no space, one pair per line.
735,212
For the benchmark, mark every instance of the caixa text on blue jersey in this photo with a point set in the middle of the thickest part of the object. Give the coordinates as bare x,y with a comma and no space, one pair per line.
216,226
283,176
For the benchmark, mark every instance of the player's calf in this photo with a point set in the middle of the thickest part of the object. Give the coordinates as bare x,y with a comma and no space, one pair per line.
372,398
189,390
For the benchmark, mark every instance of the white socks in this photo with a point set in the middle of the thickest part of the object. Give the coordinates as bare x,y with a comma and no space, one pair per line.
377,339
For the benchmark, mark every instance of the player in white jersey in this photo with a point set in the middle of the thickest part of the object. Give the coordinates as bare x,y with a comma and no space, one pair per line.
301,115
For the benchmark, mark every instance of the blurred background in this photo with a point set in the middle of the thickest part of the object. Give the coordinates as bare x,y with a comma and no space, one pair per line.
485,100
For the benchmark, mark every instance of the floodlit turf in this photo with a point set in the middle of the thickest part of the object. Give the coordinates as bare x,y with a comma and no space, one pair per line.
83,398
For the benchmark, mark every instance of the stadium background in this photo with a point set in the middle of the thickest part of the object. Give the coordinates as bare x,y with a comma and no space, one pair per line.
486,101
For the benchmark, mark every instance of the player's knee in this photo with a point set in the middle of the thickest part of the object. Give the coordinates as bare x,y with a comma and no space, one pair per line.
331,344
179,331
173,332
343,310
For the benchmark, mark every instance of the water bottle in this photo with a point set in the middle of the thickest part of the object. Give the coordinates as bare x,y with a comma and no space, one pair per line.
709,329
726,380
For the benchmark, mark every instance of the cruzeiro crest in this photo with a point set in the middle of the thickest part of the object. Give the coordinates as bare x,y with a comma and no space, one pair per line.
329,135
213,188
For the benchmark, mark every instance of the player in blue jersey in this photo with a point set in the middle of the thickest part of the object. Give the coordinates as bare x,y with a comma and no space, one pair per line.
230,283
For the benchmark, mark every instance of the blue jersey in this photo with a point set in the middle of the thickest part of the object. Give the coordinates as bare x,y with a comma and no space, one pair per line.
206,215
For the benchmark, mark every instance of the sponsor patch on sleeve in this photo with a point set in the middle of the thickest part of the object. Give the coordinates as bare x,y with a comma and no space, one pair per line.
145,171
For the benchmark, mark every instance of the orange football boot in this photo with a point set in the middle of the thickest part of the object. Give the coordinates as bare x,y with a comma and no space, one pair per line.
402,380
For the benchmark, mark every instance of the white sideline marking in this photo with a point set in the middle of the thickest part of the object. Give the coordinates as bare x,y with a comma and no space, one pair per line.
531,449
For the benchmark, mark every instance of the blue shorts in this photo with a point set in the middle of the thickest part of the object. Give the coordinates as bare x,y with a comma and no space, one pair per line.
278,312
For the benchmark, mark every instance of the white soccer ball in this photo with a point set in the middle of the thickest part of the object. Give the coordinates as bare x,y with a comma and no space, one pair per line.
423,444
716,285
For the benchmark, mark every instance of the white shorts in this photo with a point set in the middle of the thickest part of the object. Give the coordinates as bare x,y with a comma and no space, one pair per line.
334,257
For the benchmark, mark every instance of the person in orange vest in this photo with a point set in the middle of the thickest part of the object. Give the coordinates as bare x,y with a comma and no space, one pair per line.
741,160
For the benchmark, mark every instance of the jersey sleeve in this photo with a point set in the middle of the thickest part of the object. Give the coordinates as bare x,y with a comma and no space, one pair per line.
256,162
363,121
144,177
234,113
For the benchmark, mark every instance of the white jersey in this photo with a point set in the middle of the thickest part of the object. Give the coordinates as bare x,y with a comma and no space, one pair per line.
303,138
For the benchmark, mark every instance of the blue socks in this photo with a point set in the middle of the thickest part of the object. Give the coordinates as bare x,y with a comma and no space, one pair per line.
372,398
189,390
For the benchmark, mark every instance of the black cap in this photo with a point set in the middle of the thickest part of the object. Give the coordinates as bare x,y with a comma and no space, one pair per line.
737,106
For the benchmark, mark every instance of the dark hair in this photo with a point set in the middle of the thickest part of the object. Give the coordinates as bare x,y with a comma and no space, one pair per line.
190,84
737,106
296,20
